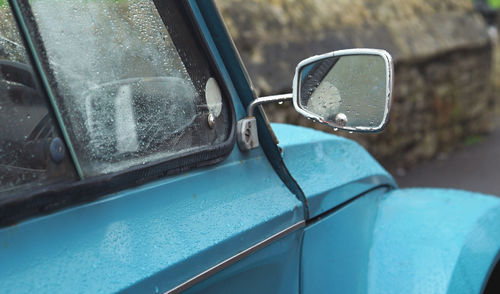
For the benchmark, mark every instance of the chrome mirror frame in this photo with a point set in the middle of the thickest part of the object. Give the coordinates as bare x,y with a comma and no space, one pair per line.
348,52
246,130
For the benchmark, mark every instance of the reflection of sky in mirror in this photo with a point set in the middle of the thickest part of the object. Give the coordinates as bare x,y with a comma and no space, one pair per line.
355,86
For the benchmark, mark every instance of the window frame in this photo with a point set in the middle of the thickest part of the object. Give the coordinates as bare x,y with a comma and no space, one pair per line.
53,197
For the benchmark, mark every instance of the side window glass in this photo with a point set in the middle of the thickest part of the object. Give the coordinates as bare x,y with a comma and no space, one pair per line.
127,96
27,129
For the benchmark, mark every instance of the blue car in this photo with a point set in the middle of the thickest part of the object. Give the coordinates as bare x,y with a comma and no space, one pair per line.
134,158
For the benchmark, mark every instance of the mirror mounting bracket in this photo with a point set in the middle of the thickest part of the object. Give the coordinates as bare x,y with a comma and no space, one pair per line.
246,129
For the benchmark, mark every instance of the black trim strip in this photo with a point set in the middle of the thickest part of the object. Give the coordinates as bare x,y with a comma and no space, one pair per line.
50,198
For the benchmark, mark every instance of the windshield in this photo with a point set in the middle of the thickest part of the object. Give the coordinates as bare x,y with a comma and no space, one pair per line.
123,89
28,129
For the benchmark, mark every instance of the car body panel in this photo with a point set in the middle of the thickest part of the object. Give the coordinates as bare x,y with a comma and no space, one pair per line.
434,241
209,19
330,169
404,241
273,269
359,237
152,237
336,248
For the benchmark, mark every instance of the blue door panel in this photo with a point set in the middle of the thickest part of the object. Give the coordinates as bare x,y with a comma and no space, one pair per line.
336,248
403,241
434,241
152,237
329,169
273,269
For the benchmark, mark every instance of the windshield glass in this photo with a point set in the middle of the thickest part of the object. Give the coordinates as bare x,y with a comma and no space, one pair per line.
27,128
123,90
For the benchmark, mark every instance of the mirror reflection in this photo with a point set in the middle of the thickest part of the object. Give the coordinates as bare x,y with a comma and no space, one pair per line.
347,91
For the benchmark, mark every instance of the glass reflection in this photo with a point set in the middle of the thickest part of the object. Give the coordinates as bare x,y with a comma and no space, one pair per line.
349,90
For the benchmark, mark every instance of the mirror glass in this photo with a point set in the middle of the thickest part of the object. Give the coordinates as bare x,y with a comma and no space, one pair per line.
349,92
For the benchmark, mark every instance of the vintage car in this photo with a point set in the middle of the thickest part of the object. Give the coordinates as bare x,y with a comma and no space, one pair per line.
134,158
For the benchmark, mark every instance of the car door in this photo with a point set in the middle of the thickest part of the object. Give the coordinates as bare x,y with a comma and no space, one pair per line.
139,185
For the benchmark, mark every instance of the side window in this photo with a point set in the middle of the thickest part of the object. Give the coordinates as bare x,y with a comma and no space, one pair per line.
128,94
31,150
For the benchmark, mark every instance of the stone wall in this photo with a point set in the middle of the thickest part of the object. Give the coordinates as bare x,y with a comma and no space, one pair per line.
441,48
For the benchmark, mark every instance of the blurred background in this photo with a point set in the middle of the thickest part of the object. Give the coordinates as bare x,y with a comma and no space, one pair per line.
444,129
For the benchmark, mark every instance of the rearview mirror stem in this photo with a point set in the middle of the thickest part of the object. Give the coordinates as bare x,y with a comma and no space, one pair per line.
246,129
266,100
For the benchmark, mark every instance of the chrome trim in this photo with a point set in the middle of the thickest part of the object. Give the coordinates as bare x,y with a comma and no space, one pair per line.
235,258
267,99
358,51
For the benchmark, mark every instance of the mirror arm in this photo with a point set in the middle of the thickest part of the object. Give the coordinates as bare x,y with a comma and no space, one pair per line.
266,100
246,129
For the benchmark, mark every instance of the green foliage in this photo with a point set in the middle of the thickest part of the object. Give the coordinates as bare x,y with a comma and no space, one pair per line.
494,3
473,139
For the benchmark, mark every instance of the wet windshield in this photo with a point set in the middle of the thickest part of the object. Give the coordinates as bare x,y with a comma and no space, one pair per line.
27,126
123,89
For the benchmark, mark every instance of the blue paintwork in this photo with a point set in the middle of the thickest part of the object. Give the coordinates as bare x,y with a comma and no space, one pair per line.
151,238
273,269
336,249
233,78
208,15
330,169
155,236
406,241
434,241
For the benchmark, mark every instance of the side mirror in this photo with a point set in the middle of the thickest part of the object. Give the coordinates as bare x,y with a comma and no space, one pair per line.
347,89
